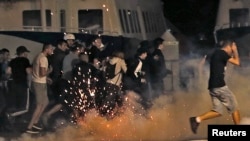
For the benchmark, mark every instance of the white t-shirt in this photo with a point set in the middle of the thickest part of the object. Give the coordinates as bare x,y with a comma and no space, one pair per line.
39,61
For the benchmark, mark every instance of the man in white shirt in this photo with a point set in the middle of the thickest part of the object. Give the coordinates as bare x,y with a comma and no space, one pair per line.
39,86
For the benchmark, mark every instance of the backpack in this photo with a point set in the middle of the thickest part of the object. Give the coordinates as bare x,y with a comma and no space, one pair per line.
109,72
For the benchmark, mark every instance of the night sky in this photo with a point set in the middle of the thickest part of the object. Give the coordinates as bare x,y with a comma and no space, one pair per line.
194,18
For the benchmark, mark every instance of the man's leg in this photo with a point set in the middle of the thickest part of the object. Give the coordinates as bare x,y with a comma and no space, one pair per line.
54,109
35,116
236,117
47,115
208,115
195,121
42,101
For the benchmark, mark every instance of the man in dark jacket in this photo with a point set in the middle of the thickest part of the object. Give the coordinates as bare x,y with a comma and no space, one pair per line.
56,62
158,69
135,78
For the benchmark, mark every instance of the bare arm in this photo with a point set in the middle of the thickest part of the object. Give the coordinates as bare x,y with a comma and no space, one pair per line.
28,70
43,72
235,56
124,66
29,75
8,70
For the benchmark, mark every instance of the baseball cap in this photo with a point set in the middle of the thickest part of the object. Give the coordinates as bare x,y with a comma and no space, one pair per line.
69,36
21,49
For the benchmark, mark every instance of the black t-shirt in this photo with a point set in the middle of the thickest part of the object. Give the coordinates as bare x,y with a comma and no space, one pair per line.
18,66
218,64
94,52
56,61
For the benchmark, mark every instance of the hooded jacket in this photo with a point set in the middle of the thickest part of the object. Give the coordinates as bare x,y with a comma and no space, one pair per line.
120,68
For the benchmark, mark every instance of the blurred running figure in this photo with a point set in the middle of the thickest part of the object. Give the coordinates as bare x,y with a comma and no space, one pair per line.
39,86
218,90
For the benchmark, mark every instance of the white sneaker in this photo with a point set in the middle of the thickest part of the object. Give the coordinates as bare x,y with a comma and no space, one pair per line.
32,131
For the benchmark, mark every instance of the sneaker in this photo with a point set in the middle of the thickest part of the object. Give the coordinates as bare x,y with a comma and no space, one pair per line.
32,131
37,127
194,124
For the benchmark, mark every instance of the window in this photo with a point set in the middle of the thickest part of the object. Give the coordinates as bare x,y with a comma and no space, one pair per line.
121,20
90,21
145,19
151,21
135,21
126,21
158,21
63,20
154,15
239,17
131,21
33,18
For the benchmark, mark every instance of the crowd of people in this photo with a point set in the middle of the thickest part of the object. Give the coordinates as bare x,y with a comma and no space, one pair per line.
73,76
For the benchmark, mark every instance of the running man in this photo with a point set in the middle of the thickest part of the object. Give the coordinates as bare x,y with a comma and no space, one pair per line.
220,94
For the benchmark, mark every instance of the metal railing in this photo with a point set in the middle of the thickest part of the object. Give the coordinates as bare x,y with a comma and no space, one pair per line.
232,25
60,29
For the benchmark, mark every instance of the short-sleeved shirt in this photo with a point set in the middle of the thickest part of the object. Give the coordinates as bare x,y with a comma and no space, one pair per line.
218,64
69,61
57,63
18,67
39,61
